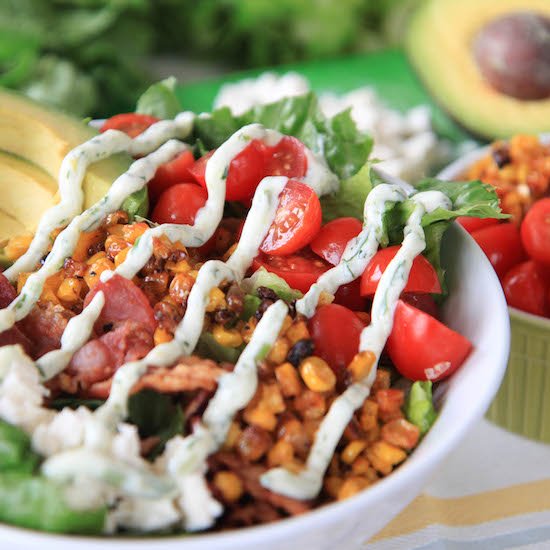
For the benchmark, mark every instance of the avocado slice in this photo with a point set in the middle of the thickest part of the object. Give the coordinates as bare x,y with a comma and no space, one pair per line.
43,137
440,43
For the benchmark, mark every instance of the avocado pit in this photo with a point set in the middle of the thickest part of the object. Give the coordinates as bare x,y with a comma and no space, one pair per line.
513,55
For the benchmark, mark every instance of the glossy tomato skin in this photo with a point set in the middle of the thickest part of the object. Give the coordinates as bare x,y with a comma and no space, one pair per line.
333,237
124,301
299,270
535,231
422,348
423,302
179,204
171,173
422,278
287,158
335,331
246,170
525,288
350,296
502,245
297,220
198,168
132,124
473,224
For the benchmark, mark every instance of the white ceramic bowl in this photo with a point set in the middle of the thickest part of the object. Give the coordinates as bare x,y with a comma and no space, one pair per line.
477,309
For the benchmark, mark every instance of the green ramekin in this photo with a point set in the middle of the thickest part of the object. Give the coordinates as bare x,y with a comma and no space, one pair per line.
522,404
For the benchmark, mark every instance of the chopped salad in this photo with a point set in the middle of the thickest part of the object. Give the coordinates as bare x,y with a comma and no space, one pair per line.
244,328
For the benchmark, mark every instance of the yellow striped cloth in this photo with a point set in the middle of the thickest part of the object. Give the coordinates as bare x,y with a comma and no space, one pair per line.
492,493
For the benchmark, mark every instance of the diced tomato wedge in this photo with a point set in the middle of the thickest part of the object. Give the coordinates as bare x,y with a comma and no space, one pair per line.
502,245
179,204
422,348
287,158
333,238
299,270
350,296
124,301
297,220
422,278
7,292
198,169
473,224
328,327
132,124
525,287
171,173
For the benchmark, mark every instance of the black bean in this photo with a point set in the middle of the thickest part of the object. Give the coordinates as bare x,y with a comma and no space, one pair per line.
299,351
224,316
501,156
235,299
264,304
267,293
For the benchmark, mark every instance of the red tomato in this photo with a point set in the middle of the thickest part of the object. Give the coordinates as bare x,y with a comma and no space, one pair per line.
287,158
299,270
124,301
422,348
350,296
535,231
132,124
423,302
246,171
198,169
502,245
473,224
335,331
422,278
525,288
333,237
170,173
297,220
179,204
7,292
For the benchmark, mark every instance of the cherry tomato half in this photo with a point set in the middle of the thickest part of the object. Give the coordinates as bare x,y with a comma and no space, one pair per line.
179,204
502,245
299,270
422,278
422,348
473,224
336,331
246,171
132,124
535,231
198,169
287,158
170,173
333,237
525,288
297,220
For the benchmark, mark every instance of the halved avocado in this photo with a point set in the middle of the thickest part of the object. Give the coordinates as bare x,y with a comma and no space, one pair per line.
449,44
44,136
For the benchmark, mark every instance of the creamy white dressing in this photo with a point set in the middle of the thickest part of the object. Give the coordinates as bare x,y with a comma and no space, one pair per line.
184,461
307,483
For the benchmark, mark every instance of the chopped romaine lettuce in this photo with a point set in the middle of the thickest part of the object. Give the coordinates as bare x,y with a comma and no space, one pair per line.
159,100
262,277
251,304
207,346
137,204
419,407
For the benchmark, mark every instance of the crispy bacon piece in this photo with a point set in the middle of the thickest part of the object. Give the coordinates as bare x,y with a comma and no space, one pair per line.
98,359
190,374
250,476
44,326
7,292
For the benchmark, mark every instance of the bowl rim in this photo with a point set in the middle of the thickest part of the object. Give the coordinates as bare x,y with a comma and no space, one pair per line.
454,170
420,465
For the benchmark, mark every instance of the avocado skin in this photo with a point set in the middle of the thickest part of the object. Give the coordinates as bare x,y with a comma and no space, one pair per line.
438,43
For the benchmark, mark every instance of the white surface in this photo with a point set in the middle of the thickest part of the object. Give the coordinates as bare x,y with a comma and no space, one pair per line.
477,309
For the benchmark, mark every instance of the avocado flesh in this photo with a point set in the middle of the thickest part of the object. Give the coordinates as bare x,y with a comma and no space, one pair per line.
439,45
43,137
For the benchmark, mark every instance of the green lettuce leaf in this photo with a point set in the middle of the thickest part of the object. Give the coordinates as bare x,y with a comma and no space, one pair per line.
251,304
159,100
15,450
262,277
137,204
419,407
336,139
207,346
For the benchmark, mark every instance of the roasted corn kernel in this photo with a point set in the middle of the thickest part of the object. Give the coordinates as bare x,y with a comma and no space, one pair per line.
216,300
17,246
352,450
70,290
361,365
288,379
317,375
229,337
229,485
